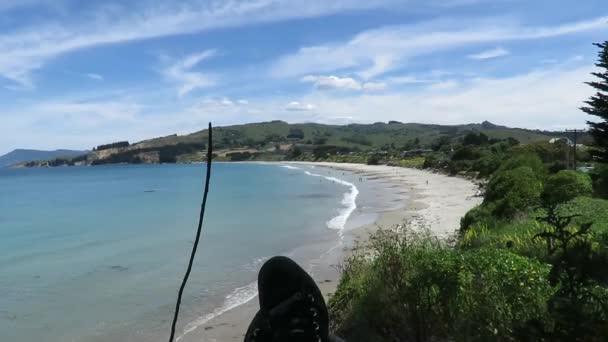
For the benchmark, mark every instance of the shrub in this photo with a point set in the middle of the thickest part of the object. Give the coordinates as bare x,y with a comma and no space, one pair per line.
466,153
513,191
415,162
294,152
528,159
435,161
546,151
374,159
565,186
295,133
358,139
473,138
456,166
600,180
481,214
417,289
487,163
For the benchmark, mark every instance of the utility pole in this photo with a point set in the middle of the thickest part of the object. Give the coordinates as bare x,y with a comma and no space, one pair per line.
575,131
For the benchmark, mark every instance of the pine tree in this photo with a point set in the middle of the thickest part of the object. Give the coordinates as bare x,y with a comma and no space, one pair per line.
598,104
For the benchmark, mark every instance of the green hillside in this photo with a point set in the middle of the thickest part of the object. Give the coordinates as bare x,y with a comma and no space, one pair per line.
363,136
278,140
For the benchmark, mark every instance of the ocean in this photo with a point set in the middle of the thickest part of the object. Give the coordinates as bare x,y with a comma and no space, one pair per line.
98,253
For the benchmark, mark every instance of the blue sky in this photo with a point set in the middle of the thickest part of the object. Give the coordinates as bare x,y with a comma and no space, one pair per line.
75,74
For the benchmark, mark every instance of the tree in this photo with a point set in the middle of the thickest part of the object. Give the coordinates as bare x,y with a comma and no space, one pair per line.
295,133
374,159
294,152
475,139
597,104
513,191
564,186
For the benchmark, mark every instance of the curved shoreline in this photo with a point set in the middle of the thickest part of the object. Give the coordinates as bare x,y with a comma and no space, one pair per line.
436,202
243,295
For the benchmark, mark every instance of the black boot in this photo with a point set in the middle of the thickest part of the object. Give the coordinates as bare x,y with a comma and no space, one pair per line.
292,307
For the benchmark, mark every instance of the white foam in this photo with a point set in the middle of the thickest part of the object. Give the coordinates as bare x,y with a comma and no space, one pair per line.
237,298
349,201
248,292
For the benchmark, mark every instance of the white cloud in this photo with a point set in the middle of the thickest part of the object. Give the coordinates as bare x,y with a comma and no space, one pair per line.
489,54
343,83
378,51
295,106
547,99
28,49
95,77
222,102
332,82
181,73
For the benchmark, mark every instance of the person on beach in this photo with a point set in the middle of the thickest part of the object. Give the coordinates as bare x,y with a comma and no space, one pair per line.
292,307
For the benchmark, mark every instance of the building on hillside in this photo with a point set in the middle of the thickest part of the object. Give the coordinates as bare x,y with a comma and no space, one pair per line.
562,139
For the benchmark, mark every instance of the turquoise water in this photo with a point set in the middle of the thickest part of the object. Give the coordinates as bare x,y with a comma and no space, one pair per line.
97,253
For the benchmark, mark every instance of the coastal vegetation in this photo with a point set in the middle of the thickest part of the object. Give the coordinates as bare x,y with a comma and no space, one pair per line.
391,143
112,145
529,263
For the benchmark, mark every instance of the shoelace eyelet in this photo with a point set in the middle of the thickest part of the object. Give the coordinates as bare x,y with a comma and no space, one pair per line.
311,298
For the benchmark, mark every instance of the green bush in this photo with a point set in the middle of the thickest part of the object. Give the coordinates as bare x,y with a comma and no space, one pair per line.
528,159
600,180
436,160
546,151
513,191
565,186
416,289
517,237
481,214
457,166
488,163
466,153
373,160
415,162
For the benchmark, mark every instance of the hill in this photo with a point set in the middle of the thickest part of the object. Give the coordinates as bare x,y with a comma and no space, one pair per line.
24,155
278,140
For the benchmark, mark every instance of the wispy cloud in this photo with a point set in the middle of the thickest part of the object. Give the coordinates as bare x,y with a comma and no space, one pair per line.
296,106
537,99
489,54
26,50
94,76
188,80
378,51
332,82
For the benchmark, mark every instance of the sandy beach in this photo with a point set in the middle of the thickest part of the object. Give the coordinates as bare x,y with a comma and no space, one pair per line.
436,202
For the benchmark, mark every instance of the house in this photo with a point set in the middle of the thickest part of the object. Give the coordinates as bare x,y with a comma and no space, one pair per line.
562,139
